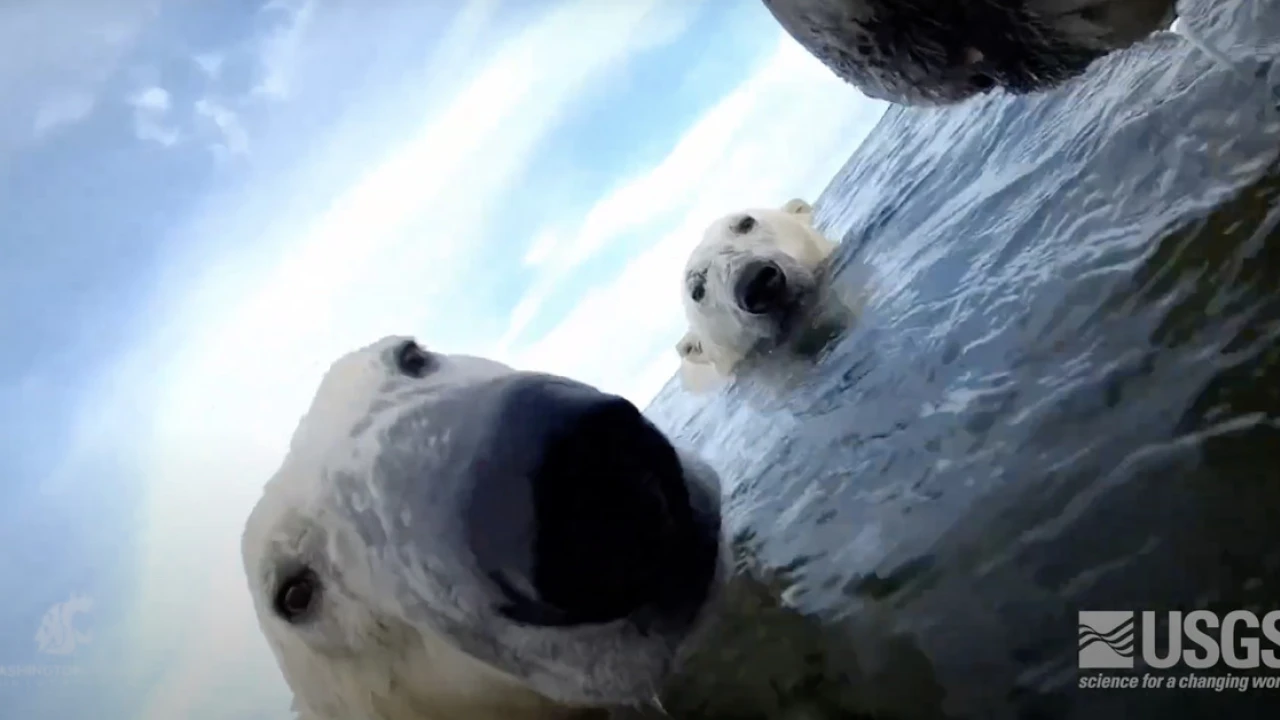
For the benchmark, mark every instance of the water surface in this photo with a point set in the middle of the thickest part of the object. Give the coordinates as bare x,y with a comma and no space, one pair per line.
1063,393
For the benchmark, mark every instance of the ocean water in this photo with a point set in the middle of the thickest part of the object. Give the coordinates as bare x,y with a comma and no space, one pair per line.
1063,393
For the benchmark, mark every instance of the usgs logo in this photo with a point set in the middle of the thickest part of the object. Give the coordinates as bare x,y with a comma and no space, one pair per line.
1198,639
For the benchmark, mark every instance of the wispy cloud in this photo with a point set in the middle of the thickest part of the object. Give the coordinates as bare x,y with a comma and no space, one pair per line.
233,139
215,119
279,51
151,116
61,109
209,63
57,57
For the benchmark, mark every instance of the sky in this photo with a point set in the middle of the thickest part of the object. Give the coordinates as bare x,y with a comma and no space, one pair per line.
202,205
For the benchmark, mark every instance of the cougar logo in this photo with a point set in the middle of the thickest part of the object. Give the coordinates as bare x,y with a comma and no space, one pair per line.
58,634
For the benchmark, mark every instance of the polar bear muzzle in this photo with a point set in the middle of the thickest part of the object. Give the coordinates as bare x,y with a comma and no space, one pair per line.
577,507
761,287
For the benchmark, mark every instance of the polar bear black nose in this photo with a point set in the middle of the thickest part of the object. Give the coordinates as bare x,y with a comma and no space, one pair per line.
582,515
761,287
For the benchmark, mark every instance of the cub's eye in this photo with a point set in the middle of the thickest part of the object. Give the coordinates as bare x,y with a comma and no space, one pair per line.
744,225
297,595
697,292
412,360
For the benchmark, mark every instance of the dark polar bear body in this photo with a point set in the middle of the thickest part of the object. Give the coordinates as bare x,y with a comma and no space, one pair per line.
936,52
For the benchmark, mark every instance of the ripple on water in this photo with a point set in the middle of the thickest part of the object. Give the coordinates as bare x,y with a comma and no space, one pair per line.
1063,392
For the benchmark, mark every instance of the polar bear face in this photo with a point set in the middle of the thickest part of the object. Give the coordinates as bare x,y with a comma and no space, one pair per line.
749,282
451,538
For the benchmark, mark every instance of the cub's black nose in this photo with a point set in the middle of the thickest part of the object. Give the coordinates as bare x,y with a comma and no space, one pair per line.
578,511
761,287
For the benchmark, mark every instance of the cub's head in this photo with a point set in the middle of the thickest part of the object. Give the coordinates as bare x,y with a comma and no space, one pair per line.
448,537
749,282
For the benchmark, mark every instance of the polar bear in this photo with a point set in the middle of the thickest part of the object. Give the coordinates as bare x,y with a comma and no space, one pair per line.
447,538
752,284
934,53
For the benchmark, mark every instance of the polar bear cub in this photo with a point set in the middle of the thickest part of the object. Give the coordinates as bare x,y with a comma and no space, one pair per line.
451,539
750,285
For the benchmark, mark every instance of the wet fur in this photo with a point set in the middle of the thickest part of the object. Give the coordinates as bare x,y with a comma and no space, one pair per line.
937,52
400,633
721,335
393,637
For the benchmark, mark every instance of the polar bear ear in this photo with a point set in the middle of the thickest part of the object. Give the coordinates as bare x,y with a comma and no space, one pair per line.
796,206
690,349
698,372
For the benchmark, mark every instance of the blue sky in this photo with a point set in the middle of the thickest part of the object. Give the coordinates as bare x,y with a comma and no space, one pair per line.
203,204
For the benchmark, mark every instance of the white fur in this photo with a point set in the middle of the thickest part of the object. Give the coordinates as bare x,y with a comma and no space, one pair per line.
720,335
368,651
362,661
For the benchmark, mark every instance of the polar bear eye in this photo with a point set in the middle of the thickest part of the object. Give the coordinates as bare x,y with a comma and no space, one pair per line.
744,225
412,360
296,595
697,292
